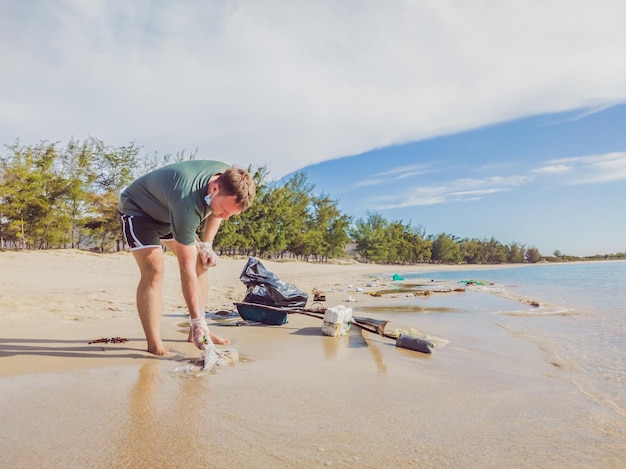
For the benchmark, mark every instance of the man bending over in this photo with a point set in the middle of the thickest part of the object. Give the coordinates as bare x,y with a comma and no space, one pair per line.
166,207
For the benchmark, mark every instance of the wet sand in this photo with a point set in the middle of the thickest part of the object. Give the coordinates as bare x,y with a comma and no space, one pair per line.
296,398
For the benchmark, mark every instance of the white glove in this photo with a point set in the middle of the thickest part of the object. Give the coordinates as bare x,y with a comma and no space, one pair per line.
200,333
207,255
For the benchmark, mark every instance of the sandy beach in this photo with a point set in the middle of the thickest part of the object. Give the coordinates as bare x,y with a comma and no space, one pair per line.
295,398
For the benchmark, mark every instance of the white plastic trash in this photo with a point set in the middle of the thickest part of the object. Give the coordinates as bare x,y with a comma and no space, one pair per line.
337,321
210,357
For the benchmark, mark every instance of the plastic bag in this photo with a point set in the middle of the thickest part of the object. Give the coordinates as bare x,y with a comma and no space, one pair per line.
265,288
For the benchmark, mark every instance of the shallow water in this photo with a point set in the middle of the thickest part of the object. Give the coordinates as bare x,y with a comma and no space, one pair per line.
581,321
355,401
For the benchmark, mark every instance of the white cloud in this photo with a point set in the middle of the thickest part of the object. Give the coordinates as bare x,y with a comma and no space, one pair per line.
460,190
405,171
368,182
476,194
553,169
289,84
409,174
581,114
588,169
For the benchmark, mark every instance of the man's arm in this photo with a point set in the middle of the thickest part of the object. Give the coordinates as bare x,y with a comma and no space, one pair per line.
211,225
208,258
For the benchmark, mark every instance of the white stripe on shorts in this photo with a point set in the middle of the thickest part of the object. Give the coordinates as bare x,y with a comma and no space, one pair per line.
138,244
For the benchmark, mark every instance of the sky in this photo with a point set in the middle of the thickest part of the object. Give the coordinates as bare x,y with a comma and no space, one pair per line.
470,117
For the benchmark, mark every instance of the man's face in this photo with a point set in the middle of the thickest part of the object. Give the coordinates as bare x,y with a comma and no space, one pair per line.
224,206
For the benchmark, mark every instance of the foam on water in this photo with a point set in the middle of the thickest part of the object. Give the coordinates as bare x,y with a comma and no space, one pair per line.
211,360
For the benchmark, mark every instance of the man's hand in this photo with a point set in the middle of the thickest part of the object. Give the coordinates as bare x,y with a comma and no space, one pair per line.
200,333
207,255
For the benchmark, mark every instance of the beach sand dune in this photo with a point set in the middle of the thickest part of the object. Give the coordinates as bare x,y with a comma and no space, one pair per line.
295,398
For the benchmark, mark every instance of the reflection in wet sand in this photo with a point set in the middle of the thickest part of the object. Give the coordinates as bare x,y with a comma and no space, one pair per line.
378,358
334,345
356,340
162,426
140,440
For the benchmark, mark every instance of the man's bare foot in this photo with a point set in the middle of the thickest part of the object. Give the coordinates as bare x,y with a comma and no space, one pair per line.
161,352
216,339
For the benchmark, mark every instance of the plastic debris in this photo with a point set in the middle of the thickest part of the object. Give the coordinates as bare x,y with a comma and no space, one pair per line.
414,343
337,321
210,357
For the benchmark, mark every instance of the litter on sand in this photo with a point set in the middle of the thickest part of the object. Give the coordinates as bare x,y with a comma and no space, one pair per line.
212,360
225,316
318,295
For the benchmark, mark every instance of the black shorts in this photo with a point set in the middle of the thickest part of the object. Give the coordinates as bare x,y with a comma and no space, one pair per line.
144,232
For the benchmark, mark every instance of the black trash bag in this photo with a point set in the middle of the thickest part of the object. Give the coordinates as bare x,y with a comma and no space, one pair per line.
265,288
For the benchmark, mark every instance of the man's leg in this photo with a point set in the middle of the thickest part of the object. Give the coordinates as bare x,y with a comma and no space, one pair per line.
203,286
150,296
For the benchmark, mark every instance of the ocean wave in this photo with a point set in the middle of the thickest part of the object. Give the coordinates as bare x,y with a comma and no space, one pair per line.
534,307
540,311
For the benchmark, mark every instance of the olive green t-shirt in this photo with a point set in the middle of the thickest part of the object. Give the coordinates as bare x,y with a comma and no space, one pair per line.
173,195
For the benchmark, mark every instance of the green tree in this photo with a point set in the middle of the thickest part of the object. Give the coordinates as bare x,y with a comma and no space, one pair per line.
370,237
533,255
445,249
421,245
104,226
472,251
33,194
517,253
115,168
378,240
295,199
77,163
328,229
497,253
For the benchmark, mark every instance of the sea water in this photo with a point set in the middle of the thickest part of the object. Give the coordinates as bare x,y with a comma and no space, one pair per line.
581,317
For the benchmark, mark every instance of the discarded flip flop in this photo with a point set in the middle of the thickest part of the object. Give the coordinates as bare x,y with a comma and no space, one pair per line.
318,295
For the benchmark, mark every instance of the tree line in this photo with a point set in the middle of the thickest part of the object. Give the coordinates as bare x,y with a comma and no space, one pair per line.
55,196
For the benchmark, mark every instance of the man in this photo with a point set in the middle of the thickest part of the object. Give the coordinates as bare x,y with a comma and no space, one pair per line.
167,206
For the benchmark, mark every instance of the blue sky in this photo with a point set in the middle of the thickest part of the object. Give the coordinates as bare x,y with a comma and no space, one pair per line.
474,118
553,181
